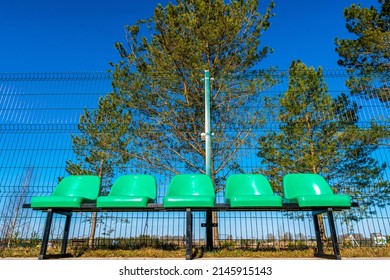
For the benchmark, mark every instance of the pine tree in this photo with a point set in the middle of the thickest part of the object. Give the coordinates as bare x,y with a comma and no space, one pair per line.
160,79
367,56
320,134
102,146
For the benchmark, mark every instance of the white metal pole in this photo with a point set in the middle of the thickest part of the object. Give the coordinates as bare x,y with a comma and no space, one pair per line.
207,121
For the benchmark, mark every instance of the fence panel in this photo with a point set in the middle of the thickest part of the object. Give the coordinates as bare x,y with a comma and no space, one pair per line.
39,113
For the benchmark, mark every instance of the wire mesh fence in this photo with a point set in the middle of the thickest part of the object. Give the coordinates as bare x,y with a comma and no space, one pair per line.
40,116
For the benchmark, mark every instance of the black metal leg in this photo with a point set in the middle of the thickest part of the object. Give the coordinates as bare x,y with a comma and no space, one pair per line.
66,233
46,234
320,250
209,230
188,234
333,235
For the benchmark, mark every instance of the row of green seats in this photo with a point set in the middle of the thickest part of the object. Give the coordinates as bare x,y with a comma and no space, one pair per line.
306,190
191,191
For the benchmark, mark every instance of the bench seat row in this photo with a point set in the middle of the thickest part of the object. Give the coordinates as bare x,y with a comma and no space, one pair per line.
192,191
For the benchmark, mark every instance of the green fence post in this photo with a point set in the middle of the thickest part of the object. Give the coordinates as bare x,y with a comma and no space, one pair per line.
209,217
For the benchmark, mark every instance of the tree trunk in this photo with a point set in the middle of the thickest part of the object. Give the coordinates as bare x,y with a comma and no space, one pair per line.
215,229
322,230
91,241
215,215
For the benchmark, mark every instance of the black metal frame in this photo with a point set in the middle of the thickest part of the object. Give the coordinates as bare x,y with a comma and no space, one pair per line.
320,251
90,207
46,233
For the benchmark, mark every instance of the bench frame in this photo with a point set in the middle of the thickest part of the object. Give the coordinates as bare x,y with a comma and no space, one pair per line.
91,207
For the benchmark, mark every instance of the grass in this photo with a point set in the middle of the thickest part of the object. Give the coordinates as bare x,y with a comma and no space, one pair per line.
33,252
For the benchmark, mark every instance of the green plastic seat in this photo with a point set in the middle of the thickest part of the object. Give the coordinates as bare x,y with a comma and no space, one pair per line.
250,190
190,190
312,190
70,193
130,191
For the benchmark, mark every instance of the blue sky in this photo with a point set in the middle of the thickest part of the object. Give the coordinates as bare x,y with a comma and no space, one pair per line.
79,35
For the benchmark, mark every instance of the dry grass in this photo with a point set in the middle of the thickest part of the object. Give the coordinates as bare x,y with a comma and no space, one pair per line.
364,252
225,253
19,252
140,253
198,253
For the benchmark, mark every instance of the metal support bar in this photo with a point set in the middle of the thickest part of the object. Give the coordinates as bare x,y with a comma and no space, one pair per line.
320,251
188,234
208,152
207,122
318,212
209,230
66,233
333,235
46,233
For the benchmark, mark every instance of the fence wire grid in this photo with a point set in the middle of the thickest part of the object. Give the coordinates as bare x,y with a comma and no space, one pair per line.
39,114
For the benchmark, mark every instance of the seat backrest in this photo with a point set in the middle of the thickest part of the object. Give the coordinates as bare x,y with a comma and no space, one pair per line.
191,184
135,185
247,184
305,184
85,186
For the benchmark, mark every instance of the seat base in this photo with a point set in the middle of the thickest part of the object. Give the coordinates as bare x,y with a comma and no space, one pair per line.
326,200
255,201
113,201
189,201
56,202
